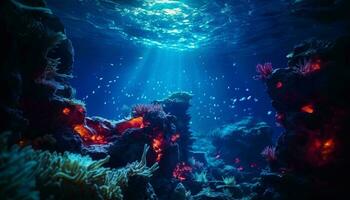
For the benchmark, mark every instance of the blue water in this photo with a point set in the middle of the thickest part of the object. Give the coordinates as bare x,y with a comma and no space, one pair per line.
129,52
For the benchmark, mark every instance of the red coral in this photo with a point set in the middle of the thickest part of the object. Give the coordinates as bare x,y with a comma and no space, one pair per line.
320,151
264,70
182,171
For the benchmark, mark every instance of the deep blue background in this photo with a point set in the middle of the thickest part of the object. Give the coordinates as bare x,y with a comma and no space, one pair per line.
112,73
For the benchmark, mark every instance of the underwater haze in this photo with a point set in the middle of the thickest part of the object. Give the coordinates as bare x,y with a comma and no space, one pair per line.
137,51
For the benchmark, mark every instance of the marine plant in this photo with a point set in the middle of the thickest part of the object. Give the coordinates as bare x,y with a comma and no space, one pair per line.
230,180
264,71
25,173
269,153
201,177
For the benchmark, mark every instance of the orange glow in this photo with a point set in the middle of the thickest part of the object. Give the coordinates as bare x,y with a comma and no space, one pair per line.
132,123
309,108
83,131
21,143
321,150
175,137
87,134
327,148
66,111
157,146
316,65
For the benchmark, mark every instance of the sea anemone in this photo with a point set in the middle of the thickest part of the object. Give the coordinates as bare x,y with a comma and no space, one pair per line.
264,71
25,172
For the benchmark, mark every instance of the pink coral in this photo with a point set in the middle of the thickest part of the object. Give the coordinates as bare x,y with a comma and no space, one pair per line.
309,66
269,153
264,70
141,109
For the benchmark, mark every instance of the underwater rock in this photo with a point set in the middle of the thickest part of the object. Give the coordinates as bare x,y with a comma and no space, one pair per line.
240,144
178,104
312,105
36,68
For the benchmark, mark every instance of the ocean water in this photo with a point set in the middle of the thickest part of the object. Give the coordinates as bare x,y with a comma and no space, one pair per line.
137,51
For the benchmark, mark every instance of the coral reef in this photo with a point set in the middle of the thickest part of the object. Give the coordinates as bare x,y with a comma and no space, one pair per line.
312,106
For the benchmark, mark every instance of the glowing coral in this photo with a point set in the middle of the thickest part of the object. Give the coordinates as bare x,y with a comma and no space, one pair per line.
175,137
88,134
264,70
269,153
308,108
182,171
158,145
320,151
309,66
136,122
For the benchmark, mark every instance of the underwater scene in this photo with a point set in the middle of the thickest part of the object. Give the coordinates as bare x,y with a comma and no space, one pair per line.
174,99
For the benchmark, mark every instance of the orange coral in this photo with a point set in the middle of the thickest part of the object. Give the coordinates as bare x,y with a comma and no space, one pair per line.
89,134
158,145
136,122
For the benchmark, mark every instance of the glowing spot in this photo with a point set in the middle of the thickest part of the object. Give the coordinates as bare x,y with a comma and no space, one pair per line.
279,85
136,122
182,171
253,165
237,160
88,134
309,108
158,145
82,130
175,137
66,111
320,151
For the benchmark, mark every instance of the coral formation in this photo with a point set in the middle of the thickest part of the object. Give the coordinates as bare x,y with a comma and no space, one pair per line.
313,108
66,175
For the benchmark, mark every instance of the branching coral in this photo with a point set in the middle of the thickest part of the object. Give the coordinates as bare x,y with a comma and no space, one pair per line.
269,153
264,70
62,176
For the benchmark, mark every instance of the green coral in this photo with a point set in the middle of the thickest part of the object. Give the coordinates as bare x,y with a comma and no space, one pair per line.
201,177
24,172
16,173
229,181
